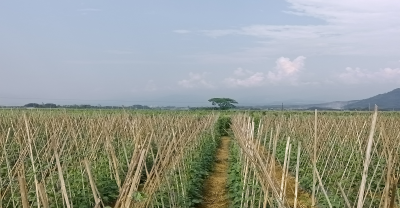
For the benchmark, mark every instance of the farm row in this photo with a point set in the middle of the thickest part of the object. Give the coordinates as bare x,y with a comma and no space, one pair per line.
274,156
117,159
161,159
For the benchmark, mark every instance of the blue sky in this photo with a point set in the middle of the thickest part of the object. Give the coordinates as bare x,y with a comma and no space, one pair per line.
185,52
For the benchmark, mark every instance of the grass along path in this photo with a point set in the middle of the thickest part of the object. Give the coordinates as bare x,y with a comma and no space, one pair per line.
215,194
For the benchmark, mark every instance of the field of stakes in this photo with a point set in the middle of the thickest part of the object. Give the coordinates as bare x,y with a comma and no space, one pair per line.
117,158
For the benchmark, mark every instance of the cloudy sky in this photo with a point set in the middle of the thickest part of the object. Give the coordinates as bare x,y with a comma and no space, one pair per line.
185,52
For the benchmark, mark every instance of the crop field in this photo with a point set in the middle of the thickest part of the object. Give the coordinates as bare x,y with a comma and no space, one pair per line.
117,158
336,148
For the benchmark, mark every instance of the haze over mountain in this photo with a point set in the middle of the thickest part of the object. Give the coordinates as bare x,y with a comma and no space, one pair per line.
389,100
385,101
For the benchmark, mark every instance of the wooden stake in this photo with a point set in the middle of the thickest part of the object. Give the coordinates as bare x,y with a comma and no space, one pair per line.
367,160
297,174
92,183
286,170
314,163
32,160
393,192
322,187
43,195
60,176
344,196
386,192
22,187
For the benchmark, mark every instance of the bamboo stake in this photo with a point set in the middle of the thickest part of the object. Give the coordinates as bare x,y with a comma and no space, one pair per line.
393,192
43,195
32,160
135,179
22,186
286,170
314,163
297,174
322,187
344,196
92,183
388,180
60,176
367,160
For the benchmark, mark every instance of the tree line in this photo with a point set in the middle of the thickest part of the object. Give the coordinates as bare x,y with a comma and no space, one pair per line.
218,104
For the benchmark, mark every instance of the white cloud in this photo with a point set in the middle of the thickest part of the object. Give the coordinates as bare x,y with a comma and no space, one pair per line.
195,80
286,71
245,78
181,31
357,75
350,27
287,67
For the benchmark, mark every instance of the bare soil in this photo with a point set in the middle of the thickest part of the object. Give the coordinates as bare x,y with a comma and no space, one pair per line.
215,194
304,199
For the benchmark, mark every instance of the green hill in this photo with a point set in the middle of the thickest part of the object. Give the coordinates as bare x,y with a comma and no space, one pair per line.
386,101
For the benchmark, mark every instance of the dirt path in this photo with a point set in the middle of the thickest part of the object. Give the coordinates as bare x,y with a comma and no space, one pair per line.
304,198
215,192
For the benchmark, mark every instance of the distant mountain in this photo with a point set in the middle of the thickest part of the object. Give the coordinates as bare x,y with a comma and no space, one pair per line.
337,105
386,101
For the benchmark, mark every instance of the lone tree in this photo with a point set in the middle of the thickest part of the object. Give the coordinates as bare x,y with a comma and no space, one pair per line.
223,103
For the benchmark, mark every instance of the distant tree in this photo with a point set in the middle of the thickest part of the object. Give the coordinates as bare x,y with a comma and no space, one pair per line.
223,103
140,107
50,105
32,105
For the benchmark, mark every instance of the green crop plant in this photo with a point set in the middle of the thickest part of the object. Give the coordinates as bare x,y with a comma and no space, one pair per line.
110,141
234,181
341,143
128,158
195,167
340,152
223,125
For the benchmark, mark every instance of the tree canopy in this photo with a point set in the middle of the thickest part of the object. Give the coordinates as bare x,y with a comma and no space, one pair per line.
223,103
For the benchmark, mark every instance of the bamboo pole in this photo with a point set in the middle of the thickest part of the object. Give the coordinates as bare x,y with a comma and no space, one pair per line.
367,160
43,195
60,175
322,187
92,183
284,169
297,174
393,192
22,186
32,160
386,192
344,196
314,163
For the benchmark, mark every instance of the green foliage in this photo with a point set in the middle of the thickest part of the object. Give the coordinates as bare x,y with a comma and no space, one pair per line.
234,180
198,164
199,171
223,125
223,103
108,189
334,153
